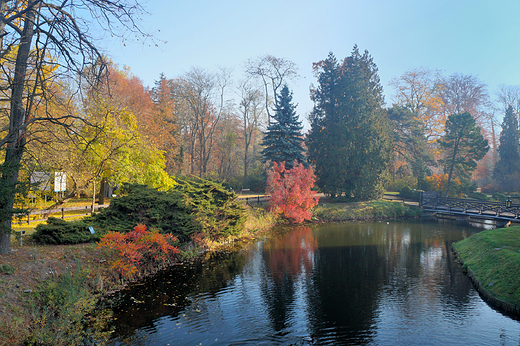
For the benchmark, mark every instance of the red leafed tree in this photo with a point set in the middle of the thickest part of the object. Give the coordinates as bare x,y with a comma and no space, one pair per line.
290,189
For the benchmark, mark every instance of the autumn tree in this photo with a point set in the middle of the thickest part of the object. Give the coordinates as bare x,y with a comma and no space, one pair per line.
463,145
507,169
228,148
417,90
283,138
350,139
153,109
465,93
114,149
291,191
39,34
203,96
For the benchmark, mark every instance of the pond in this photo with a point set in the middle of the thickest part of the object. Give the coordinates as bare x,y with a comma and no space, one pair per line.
379,283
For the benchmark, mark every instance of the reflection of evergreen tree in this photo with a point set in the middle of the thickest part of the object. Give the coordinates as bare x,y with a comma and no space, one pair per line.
279,296
343,299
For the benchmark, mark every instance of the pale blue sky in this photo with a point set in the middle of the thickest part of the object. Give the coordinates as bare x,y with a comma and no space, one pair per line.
475,37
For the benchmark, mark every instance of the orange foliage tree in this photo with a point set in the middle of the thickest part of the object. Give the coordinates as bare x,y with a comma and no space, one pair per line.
438,182
290,189
139,249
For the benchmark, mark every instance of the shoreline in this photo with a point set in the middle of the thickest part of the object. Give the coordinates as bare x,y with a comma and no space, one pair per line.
498,303
35,265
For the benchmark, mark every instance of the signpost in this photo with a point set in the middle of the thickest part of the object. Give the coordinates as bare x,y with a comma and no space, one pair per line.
60,181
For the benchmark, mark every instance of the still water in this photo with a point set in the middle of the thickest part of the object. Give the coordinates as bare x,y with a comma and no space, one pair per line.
331,284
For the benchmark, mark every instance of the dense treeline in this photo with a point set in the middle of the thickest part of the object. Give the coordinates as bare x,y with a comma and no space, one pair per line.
66,108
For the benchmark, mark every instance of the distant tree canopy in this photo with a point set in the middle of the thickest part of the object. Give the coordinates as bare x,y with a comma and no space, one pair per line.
507,169
283,138
350,139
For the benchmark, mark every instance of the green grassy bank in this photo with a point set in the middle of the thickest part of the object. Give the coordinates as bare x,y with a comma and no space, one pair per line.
330,211
492,259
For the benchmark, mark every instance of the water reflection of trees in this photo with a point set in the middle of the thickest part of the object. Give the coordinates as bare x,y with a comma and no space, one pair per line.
287,258
166,294
337,278
365,268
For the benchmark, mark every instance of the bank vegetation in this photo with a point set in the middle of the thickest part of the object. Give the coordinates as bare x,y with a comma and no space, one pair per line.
492,260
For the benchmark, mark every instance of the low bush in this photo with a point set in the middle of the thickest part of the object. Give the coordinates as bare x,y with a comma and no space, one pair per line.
398,184
497,196
58,231
57,309
140,204
194,206
408,193
139,250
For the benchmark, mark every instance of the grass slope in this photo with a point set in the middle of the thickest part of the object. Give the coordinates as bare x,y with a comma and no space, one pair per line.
328,210
493,258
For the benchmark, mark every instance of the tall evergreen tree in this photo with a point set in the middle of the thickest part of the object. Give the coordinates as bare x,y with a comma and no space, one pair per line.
507,169
463,145
283,138
350,139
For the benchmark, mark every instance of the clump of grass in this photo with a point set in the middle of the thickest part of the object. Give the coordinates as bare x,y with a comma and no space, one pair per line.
7,269
364,211
54,312
493,256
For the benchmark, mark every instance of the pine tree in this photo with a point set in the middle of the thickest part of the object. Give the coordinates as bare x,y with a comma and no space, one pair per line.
350,139
283,138
507,169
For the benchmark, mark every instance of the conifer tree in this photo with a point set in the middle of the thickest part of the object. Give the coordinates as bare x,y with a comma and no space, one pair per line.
283,138
350,139
507,169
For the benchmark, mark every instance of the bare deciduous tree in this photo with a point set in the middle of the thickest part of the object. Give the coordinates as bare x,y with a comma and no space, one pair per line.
203,94
274,72
251,113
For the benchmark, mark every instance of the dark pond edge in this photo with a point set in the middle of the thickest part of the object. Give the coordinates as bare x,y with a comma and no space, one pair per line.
498,303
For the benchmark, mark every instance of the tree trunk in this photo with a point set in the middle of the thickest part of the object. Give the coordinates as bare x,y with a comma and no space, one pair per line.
455,148
17,132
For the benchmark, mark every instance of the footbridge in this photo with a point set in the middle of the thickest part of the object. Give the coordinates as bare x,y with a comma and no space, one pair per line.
502,212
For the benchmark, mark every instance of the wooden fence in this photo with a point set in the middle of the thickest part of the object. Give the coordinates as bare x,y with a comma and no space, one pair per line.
49,212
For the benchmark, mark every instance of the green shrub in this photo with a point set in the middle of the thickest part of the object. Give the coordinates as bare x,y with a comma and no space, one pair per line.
192,206
216,209
58,231
140,204
497,196
398,184
478,195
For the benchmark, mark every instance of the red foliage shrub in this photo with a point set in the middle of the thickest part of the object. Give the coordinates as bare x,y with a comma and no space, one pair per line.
138,249
291,194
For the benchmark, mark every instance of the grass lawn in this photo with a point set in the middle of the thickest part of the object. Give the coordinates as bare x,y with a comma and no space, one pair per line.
330,210
493,256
